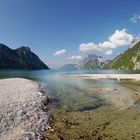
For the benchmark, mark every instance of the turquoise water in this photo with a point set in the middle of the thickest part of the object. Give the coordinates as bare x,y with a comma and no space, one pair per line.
62,88
54,77
90,109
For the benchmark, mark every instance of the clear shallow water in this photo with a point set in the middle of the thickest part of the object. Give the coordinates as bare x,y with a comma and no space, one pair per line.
62,88
88,109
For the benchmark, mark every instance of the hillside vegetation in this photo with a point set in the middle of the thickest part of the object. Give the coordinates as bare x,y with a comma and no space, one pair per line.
129,60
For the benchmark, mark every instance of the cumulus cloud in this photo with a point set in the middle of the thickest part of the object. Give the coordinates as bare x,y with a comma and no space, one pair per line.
60,52
135,18
87,47
120,38
107,45
109,52
75,57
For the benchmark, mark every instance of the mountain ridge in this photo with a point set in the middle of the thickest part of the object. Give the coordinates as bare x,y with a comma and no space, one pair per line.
20,58
129,60
69,67
92,61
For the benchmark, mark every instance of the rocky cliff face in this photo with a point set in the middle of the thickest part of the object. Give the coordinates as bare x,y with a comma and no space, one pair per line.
92,62
129,60
21,58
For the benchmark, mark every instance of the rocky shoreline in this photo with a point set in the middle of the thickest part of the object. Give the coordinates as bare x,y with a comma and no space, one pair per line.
24,110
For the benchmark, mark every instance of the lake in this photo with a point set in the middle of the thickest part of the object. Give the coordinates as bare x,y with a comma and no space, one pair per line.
86,109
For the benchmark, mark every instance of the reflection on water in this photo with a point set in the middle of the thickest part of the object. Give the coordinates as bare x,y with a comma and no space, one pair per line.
89,109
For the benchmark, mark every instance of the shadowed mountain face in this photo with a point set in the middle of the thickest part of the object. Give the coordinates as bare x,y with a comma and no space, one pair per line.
21,58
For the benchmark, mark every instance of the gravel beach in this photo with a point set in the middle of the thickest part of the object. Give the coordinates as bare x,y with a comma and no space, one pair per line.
23,110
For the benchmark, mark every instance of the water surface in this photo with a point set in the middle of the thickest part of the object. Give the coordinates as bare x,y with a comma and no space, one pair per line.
89,109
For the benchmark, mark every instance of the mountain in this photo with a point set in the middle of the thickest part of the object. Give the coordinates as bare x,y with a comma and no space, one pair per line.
68,67
92,61
21,58
129,60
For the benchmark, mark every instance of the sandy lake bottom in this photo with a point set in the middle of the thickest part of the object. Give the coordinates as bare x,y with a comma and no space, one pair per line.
97,110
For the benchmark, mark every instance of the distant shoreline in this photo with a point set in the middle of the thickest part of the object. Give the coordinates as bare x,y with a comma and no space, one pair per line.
106,76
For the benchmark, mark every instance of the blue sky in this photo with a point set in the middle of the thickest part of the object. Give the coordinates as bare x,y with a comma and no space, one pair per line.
55,29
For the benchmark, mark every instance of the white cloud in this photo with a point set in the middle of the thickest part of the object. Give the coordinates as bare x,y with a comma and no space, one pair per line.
60,52
135,18
120,38
75,57
107,45
88,47
109,52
